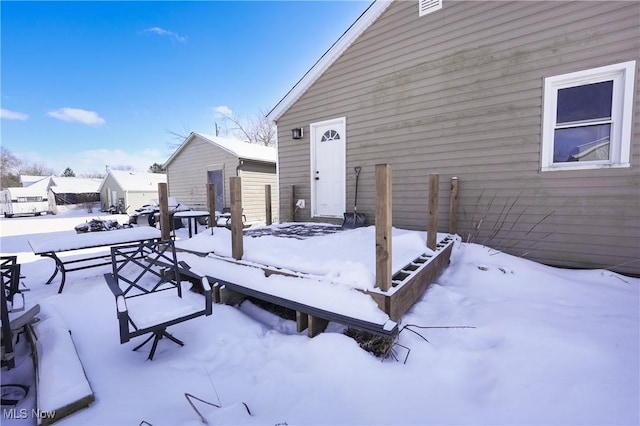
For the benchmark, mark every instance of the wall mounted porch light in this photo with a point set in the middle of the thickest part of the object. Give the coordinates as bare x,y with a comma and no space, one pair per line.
297,133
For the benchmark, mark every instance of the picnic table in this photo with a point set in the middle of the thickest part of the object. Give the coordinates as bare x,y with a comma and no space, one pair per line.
47,246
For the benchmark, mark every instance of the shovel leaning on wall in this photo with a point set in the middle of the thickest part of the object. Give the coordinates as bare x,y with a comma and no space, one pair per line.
355,219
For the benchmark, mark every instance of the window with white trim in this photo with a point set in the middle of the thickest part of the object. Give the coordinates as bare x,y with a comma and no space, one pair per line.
587,118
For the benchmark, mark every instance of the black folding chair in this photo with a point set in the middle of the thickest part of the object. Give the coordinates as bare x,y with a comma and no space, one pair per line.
10,270
13,321
146,282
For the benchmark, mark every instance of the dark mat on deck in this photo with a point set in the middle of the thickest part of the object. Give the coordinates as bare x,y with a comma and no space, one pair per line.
299,231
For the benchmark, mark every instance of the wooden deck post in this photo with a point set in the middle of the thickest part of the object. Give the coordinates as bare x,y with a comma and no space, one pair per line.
216,293
165,223
237,249
267,205
292,203
316,325
302,321
432,220
453,206
383,226
211,205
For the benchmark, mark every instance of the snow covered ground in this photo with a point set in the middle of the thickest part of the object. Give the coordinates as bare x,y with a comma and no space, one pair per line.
548,346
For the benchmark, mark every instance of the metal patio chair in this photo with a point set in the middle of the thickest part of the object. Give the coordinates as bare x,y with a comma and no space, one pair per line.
146,282
12,320
10,269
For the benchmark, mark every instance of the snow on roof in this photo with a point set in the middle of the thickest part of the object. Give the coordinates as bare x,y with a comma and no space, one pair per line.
335,51
74,185
136,181
242,150
27,180
26,191
40,186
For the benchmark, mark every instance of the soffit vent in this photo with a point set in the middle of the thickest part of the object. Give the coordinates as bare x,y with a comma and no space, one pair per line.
427,6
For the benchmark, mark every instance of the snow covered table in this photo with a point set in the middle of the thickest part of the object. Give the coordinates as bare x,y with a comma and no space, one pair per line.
51,247
192,216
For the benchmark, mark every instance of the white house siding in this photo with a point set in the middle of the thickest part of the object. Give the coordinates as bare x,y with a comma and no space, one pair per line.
187,177
108,186
134,199
459,92
134,188
187,173
254,178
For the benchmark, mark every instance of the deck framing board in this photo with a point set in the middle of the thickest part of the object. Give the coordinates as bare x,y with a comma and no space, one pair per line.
395,302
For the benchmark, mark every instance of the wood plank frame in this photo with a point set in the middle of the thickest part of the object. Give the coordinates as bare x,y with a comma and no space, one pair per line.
432,215
410,283
453,206
165,220
211,205
383,226
267,205
237,247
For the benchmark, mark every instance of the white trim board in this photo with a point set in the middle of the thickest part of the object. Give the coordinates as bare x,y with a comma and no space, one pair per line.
362,23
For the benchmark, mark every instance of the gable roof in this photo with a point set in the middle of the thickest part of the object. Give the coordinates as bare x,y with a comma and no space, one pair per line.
367,18
41,184
27,180
26,191
135,181
74,185
236,147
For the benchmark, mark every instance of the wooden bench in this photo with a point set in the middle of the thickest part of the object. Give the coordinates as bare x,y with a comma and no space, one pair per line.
76,243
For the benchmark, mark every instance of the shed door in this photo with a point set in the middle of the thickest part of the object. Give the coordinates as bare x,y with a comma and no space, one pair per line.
328,142
216,178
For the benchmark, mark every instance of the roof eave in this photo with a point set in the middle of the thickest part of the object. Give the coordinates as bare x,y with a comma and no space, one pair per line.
369,16
258,160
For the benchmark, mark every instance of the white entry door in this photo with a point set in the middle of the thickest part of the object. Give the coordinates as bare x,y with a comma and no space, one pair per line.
328,145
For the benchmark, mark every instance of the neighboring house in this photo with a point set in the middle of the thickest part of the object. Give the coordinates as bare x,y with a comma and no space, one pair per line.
203,159
127,191
529,103
71,192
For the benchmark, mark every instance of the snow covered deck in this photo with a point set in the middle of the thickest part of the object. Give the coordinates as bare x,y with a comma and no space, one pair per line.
321,271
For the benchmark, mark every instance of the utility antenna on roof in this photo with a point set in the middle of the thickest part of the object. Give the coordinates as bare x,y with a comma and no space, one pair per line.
217,130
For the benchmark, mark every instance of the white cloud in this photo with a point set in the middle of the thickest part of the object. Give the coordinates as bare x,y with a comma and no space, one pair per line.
95,161
163,32
12,115
223,110
90,118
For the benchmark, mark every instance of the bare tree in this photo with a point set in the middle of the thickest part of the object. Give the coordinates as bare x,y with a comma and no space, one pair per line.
36,169
9,165
122,167
178,137
258,130
92,175
156,168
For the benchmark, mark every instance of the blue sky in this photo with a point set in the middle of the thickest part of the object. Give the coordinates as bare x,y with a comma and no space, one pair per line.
90,84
